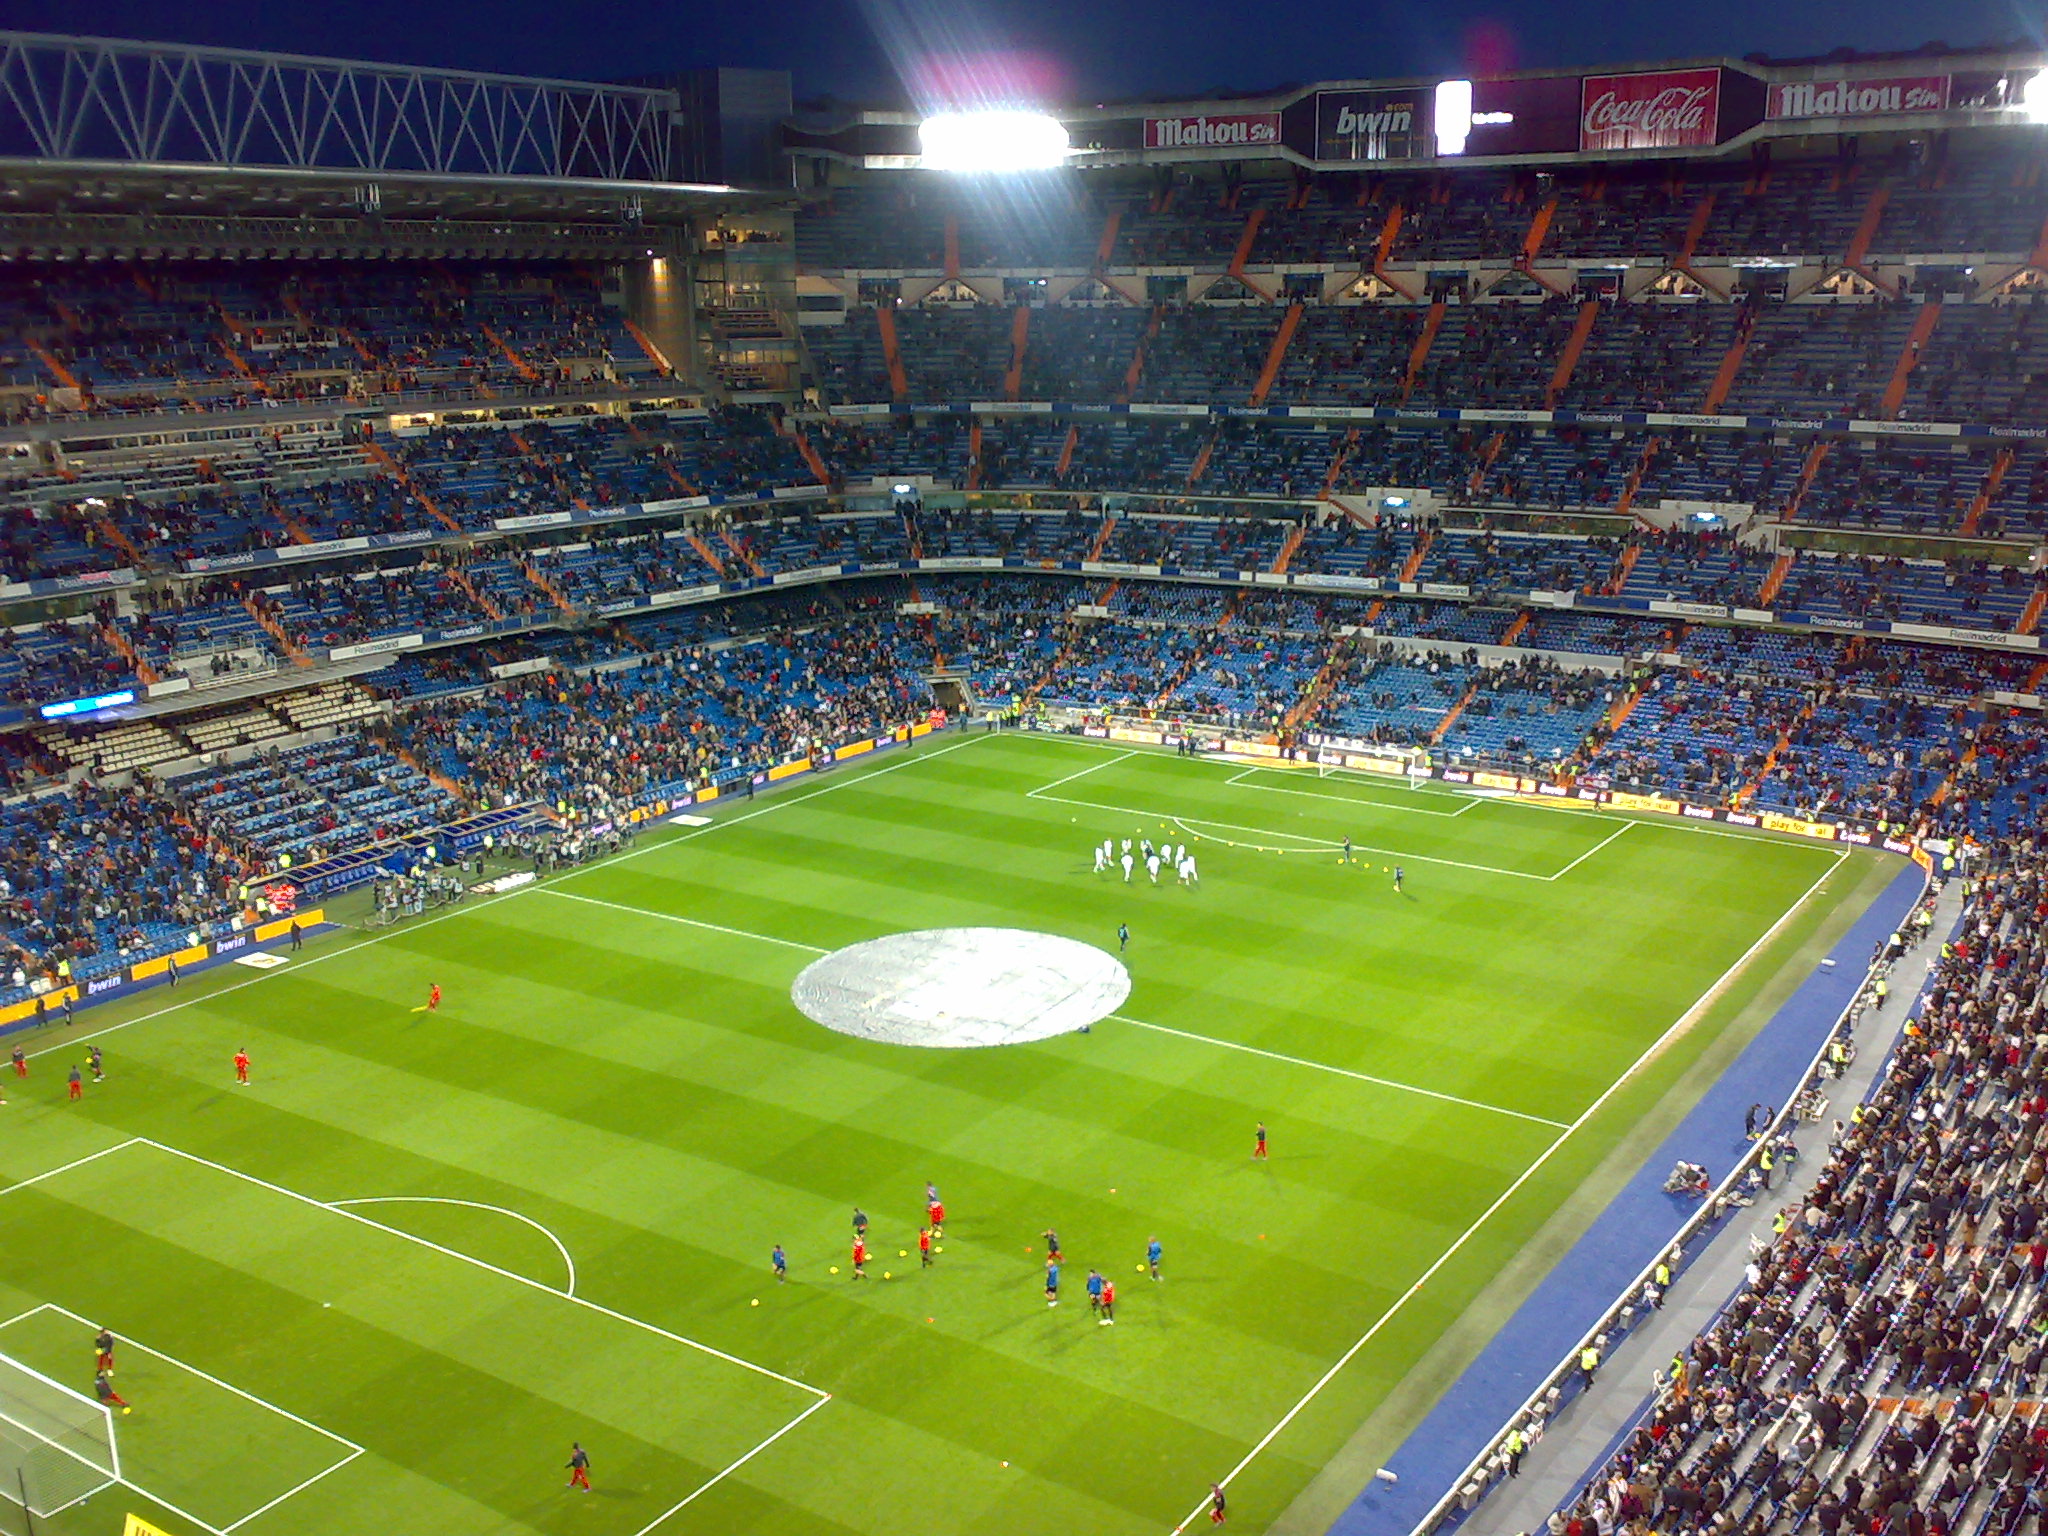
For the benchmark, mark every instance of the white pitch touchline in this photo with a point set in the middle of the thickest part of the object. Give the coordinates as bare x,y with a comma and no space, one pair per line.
1238,780
724,1472
1322,1066
476,1205
1575,863
1109,762
70,1040
1683,1022
688,922
471,1259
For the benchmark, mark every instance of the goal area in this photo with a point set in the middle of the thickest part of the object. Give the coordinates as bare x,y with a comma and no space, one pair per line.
57,1446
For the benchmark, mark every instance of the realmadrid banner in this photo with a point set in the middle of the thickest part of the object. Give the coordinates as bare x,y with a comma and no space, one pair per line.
1859,98
1370,125
1663,109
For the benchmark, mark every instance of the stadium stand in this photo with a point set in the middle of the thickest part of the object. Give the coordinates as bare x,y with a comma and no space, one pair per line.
1880,1367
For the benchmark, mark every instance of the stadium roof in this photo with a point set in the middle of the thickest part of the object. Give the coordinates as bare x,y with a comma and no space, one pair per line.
91,125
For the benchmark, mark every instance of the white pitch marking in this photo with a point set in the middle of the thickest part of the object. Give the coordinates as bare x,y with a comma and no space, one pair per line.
1682,1023
471,1259
1575,863
1566,807
727,1471
130,1343
76,1162
289,1493
1324,842
478,1205
1323,1066
486,903
353,1449
1239,778
1110,762
688,922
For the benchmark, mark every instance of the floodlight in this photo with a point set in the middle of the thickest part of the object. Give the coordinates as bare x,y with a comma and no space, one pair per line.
1394,501
903,488
991,142
2034,98
1453,115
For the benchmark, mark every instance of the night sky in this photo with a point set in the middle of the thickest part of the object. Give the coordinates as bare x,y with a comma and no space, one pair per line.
1066,51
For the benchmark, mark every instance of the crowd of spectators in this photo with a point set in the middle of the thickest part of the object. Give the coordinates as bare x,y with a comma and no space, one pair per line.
176,337
1882,1367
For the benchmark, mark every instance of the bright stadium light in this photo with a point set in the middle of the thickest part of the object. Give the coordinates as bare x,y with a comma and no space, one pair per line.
991,142
1453,116
2034,99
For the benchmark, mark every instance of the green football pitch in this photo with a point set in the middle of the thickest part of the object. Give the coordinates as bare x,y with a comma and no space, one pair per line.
383,1287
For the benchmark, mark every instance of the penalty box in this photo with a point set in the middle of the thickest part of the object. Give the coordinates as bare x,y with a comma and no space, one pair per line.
291,1310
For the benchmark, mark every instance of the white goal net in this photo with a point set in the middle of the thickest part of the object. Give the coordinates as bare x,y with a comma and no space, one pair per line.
1409,763
56,1445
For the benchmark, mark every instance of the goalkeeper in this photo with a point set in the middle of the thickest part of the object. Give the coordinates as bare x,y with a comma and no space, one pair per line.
103,1388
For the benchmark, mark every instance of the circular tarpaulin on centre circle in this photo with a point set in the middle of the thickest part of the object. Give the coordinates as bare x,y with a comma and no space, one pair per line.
959,987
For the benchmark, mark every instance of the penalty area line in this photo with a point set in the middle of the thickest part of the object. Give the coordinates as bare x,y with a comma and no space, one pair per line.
731,1467
1323,1066
505,1274
476,1205
1656,1047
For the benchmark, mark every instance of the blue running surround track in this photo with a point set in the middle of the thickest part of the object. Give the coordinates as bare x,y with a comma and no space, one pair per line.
1624,1240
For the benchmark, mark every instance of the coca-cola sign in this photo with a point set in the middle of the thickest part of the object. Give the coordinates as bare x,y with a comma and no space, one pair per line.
1213,130
1859,98
1664,109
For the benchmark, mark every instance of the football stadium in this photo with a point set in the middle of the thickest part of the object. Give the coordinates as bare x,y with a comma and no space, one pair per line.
1314,812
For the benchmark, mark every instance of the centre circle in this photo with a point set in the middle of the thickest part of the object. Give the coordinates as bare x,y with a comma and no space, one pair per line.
955,988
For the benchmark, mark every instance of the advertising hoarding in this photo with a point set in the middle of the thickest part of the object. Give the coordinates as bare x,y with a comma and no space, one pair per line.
1658,109
1371,125
1890,97
1213,130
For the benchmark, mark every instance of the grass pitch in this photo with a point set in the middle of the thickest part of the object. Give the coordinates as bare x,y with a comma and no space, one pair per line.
384,1286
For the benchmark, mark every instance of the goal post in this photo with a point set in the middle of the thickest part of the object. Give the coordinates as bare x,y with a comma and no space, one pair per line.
57,1446
1413,764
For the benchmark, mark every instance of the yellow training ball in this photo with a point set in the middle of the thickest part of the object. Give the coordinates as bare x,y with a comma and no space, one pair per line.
1141,1270
937,1249
887,1276
835,1269
902,1253
755,1302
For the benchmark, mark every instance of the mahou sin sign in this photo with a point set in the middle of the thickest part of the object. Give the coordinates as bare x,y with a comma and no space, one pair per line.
1217,130
1664,109
1859,98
